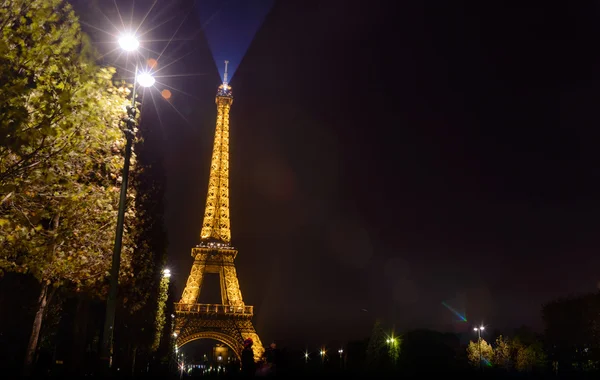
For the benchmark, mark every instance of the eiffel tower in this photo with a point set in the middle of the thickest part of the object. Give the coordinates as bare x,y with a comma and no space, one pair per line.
231,321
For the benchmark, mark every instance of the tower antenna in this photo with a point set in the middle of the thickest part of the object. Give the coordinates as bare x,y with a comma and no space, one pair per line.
225,75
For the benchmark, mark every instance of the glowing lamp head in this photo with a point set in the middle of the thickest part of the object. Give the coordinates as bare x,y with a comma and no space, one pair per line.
166,273
146,80
128,42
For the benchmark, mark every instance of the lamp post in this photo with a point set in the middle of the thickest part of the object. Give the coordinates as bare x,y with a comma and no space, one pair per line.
341,352
129,44
479,330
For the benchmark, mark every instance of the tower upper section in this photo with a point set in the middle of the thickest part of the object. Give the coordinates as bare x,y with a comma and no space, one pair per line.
224,92
216,224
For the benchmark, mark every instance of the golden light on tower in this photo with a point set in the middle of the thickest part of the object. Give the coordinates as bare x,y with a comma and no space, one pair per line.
230,322
216,224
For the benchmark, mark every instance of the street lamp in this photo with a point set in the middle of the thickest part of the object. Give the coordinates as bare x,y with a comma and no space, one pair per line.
129,43
479,330
166,273
146,80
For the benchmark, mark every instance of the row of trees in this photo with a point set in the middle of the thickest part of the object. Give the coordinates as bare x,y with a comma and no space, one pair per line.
60,172
570,344
507,354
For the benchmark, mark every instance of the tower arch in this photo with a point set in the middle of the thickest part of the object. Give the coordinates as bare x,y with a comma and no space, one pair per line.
230,341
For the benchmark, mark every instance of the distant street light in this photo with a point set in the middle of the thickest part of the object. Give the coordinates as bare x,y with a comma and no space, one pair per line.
128,43
166,273
479,330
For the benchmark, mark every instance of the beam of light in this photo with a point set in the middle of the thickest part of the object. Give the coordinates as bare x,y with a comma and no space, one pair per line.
101,30
459,315
108,53
180,75
162,127
174,61
145,16
107,19
119,13
175,108
230,27
176,30
178,90
158,26
130,14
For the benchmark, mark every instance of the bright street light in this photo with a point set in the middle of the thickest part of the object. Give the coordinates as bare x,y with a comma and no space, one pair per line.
479,330
166,273
128,42
145,79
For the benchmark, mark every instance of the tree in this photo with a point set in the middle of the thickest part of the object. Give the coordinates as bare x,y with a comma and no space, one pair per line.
531,358
376,349
394,346
60,161
426,351
572,333
473,355
502,353
160,319
142,298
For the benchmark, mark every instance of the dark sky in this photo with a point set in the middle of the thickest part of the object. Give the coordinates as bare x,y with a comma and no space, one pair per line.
391,156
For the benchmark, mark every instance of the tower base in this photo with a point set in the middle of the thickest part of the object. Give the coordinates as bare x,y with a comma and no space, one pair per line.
226,324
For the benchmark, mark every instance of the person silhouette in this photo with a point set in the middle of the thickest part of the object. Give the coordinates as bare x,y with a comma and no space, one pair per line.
248,364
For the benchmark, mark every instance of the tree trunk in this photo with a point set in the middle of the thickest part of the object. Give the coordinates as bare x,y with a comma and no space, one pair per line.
39,317
35,331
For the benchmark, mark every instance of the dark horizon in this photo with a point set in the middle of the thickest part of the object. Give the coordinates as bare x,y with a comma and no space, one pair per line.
391,157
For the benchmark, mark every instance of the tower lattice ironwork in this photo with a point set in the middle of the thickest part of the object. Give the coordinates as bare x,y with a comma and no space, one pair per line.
231,321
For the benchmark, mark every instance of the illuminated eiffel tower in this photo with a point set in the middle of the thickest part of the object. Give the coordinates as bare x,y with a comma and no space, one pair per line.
231,321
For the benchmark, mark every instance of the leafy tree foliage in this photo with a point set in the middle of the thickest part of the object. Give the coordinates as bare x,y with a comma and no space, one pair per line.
531,358
160,319
487,352
502,353
60,149
376,349
60,160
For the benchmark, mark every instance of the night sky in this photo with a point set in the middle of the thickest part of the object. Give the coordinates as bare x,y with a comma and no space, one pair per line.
387,156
